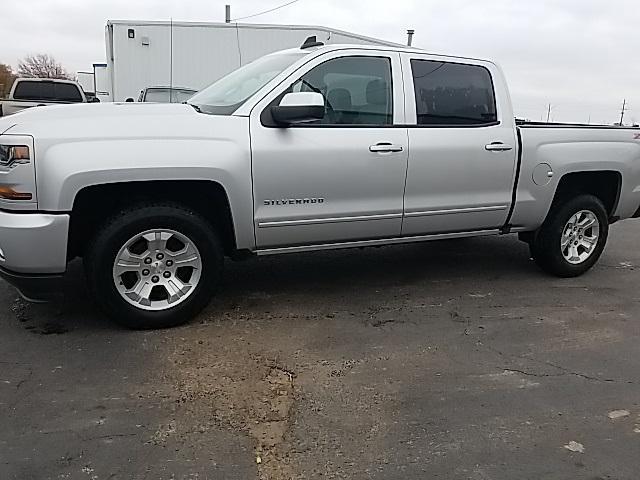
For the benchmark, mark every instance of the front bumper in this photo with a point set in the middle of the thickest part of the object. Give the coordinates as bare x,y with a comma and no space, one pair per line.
35,288
33,243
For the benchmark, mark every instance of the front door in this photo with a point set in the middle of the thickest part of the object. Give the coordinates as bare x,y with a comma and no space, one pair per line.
339,179
462,141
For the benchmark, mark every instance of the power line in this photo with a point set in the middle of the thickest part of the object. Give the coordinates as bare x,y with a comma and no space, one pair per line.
266,11
238,41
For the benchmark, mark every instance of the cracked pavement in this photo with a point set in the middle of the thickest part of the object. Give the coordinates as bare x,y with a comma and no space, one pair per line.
453,360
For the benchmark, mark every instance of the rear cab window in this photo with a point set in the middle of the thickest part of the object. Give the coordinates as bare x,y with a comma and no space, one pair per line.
47,91
453,94
66,92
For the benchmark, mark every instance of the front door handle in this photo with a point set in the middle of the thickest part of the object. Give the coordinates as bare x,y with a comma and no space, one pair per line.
498,147
385,148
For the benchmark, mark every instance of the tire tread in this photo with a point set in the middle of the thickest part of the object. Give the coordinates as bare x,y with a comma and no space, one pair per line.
114,306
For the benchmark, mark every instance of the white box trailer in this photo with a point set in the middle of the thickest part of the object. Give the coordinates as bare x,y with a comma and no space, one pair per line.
143,54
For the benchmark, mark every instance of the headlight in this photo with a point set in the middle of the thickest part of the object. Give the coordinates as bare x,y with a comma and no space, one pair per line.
12,155
17,177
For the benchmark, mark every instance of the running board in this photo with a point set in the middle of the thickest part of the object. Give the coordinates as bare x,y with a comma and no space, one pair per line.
375,243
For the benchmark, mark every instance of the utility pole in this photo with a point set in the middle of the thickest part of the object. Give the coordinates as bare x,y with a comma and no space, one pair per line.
549,108
624,110
410,34
227,14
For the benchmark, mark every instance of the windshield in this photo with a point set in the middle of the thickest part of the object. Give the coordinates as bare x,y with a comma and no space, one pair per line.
161,95
227,94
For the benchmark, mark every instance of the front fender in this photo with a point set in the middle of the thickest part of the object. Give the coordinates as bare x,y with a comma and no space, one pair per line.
66,168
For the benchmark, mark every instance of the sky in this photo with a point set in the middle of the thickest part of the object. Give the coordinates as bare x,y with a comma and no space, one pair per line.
577,55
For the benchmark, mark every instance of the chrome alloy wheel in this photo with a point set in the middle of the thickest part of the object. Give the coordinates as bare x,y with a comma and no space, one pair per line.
580,237
157,269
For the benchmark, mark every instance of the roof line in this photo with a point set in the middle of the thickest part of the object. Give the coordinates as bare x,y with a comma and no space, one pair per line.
402,49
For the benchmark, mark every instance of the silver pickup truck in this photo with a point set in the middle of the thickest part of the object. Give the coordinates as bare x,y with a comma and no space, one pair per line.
316,148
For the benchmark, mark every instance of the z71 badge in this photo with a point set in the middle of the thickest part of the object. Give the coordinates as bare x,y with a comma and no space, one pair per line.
293,201
636,136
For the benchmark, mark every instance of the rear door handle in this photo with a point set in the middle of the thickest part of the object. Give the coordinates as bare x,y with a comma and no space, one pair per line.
498,147
385,148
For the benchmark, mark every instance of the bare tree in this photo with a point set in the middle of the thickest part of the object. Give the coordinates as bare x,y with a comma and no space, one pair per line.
6,79
41,66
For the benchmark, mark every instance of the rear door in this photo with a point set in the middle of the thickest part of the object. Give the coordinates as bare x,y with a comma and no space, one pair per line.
462,141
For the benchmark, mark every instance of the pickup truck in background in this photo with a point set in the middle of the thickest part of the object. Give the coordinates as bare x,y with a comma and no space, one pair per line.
38,92
166,95
317,148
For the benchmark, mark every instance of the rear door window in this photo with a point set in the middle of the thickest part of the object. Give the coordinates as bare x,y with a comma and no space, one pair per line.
453,94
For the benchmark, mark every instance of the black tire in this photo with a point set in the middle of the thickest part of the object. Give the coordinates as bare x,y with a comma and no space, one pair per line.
546,247
102,252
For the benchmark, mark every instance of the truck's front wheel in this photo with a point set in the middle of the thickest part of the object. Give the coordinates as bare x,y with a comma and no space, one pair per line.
572,237
154,266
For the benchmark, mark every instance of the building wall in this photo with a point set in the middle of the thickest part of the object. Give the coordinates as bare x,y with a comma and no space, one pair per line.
195,55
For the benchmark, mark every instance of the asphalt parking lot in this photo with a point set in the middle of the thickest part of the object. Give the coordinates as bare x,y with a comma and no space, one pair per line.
453,360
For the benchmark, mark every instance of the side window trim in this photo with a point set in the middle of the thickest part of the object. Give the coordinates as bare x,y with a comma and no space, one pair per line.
410,100
397,94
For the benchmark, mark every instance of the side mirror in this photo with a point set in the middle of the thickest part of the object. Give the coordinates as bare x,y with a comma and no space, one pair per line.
129,100
94,100
299,107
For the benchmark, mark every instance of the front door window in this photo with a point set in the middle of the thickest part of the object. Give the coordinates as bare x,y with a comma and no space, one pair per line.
357,90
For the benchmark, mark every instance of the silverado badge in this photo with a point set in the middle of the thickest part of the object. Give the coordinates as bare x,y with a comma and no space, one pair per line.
293,201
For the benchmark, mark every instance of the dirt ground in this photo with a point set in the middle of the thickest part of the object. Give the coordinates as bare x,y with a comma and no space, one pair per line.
453,360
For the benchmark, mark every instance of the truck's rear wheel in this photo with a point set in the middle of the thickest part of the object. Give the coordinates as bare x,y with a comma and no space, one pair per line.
154,266
572,237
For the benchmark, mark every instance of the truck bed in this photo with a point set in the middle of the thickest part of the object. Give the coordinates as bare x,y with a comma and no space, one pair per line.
548,152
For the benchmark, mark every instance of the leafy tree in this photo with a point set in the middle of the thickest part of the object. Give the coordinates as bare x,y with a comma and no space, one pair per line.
41,66
6,79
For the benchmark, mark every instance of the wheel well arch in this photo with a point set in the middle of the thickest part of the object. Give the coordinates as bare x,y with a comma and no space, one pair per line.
604,184
93,204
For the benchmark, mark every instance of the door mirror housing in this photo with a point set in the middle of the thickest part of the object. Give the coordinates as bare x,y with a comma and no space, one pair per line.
299,107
